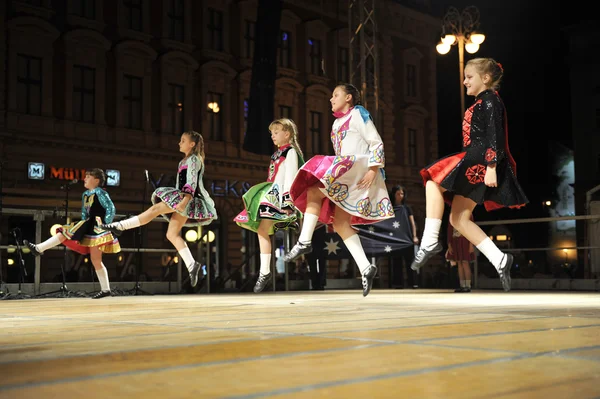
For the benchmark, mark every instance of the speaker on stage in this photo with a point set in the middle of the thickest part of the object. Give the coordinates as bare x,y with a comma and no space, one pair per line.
262,86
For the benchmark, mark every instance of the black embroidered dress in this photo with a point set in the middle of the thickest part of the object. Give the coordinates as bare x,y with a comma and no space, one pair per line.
485,141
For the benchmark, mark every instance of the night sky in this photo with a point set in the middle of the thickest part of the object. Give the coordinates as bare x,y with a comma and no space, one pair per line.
527,38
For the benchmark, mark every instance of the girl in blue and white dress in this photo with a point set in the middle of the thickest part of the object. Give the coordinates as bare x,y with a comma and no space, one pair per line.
188,203
86,236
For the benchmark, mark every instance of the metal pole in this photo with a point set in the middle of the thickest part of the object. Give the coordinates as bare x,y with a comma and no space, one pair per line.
38,262
376,68
461,67
475,270
208,271
286,247
363,58
179,282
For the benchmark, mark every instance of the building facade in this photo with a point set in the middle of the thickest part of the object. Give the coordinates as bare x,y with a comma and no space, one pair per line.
114,83
585,117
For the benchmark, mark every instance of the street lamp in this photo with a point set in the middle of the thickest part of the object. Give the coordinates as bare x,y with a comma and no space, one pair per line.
461,28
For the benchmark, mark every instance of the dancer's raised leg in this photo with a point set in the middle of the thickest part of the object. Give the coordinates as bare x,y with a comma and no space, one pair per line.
314,198
460,218
430,244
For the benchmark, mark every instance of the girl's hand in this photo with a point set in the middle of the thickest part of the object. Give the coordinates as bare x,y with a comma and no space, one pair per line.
183,204
416,240
367,179
490,178
181,207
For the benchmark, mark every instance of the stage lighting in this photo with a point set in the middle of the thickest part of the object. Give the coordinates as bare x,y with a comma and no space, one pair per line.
211,236
191,235
54,229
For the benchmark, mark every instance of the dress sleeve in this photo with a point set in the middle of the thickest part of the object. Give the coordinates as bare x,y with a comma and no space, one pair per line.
290,170
107,204
193,167
493,113
84,214
369,133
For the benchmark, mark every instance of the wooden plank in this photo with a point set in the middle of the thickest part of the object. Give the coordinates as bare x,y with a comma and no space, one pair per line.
420,343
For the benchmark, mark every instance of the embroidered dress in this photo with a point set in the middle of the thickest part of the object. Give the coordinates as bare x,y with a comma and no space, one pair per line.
97,208
200,210
271,199
357,147
485,141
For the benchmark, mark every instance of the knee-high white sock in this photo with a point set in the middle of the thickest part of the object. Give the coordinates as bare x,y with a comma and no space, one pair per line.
127,224
49,243
308,228
468,283
265,264
358,253
188,259
491,251
103,278
431,233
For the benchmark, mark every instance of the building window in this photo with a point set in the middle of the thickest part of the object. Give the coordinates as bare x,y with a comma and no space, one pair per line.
215,29
133,14
315,57
284,59
285,112
176,110
249,38
412,147
343,64
85,8
215,115
29,85
315,131
84,93
411,80
175,15
132,102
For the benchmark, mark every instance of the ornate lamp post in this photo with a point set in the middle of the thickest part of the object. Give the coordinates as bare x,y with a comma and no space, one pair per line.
461,28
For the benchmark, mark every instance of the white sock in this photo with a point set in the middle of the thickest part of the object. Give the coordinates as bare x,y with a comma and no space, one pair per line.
49,243
468,283
308,228
127,224
265,264
463,283
358,253
103,278
491,251
431,233
187,258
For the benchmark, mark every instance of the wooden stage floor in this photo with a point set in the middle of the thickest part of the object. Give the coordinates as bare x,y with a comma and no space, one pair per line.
327,344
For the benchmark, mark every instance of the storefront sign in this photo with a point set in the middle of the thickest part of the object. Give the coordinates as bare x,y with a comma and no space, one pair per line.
229,188
37,171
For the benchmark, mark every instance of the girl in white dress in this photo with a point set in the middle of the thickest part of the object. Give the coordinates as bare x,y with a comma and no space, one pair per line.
346,189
